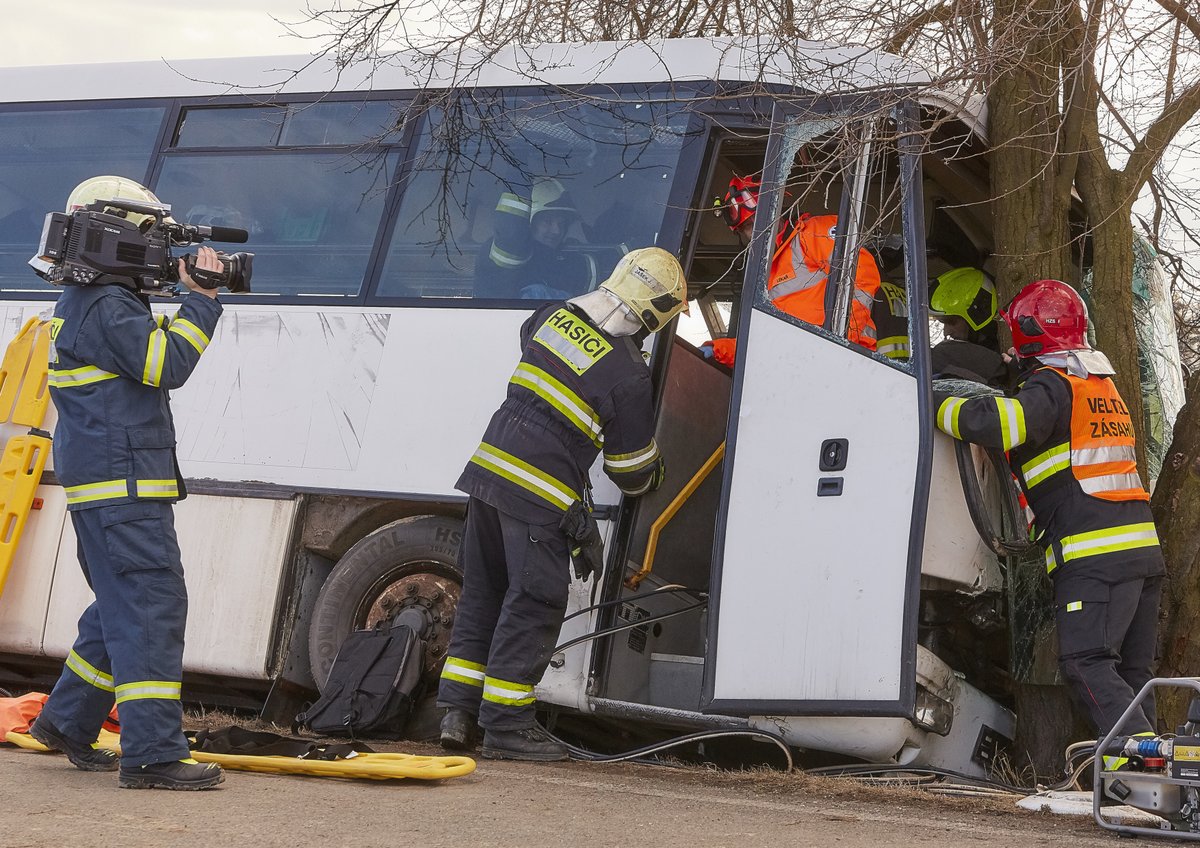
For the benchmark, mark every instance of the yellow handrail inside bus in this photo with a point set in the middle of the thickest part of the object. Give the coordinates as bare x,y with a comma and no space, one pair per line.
634,580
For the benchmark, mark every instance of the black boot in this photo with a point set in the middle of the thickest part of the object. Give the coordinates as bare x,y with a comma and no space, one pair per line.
180,774
528,743
82,756
460,730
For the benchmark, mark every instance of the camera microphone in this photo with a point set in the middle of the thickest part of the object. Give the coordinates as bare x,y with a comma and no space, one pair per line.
230,235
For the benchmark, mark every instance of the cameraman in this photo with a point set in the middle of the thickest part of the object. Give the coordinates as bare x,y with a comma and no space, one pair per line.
112,364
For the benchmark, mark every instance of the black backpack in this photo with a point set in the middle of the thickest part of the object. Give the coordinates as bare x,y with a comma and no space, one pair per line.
372,686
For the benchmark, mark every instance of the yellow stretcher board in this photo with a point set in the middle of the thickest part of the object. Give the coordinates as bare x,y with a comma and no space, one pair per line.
369,766
34,395
106,739
24,397
16,362
21,467
364,766
24,393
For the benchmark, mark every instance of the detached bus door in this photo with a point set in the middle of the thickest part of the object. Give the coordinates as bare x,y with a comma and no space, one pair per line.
817,556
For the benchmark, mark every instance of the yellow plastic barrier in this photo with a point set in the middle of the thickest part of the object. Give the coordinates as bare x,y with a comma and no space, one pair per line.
14,365
21,468
366,766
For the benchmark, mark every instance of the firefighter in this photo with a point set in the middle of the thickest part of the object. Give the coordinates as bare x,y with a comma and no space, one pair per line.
525,257
112,363
799,269
964,301
889,312
1070,440
582,385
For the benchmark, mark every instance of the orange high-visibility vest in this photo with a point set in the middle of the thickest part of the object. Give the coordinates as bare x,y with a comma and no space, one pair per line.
1103,457
800,270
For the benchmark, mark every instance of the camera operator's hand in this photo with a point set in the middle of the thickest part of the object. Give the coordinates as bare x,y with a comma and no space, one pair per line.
206,260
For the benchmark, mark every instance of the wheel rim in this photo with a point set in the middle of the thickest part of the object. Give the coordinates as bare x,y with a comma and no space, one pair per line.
428,584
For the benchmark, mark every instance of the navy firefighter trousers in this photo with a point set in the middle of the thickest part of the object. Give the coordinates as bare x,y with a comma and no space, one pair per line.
516,578
130,644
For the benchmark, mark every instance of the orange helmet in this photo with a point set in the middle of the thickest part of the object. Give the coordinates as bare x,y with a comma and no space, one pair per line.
1047,316
740,201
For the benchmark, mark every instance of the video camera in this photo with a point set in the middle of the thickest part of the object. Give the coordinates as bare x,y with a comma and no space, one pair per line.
98,244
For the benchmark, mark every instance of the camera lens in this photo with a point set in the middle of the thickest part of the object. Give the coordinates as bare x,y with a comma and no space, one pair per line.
238,269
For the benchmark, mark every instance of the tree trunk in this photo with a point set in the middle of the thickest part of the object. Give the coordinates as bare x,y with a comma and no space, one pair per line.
1030,221
1032,238
1110,211
1176,506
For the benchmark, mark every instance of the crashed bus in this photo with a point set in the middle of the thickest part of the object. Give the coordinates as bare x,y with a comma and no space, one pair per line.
820,563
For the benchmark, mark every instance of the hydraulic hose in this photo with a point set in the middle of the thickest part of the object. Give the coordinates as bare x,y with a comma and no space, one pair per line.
578,753
861,771
629,625
662,590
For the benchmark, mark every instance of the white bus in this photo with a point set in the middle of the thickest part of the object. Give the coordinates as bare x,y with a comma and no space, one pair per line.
825,581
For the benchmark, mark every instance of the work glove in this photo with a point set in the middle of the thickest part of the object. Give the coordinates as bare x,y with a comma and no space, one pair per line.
587,557
587,548
706,350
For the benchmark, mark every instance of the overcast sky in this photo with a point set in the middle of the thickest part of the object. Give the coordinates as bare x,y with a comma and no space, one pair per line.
39,32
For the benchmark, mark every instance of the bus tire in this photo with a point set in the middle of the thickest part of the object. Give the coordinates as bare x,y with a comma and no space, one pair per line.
413,561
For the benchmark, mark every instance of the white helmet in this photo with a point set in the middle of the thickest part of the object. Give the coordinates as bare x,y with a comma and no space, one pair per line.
112,188
549,195
650,282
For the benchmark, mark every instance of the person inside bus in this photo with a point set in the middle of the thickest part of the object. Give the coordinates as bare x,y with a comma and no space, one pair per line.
580,387
799,269
964,301
526,256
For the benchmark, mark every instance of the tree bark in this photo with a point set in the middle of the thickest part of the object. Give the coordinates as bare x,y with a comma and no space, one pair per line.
1032,242
1029,219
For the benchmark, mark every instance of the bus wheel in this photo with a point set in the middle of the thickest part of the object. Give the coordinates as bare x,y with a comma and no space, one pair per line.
410,562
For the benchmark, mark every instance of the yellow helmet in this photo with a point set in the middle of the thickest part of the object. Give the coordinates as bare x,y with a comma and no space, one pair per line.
112,188
967,293
650,282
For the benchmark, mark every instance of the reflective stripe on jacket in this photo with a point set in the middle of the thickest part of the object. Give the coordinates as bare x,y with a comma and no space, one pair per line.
575,392
800,270
112,363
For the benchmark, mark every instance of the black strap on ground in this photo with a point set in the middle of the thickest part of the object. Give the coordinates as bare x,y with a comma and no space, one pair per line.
261,743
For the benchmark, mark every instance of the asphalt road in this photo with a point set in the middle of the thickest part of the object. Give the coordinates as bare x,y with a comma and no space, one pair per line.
46,802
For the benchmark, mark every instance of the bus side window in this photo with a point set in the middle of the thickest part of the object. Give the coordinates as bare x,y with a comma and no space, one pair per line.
44,154
530,197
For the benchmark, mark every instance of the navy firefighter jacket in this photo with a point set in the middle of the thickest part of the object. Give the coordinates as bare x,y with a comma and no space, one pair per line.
575,392
112,363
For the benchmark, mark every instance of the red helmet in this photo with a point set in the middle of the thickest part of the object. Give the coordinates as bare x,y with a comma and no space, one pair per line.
1047,316
740,201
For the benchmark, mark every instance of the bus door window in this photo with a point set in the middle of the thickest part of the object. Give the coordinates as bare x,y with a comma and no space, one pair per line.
716,259
44,153
537,197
